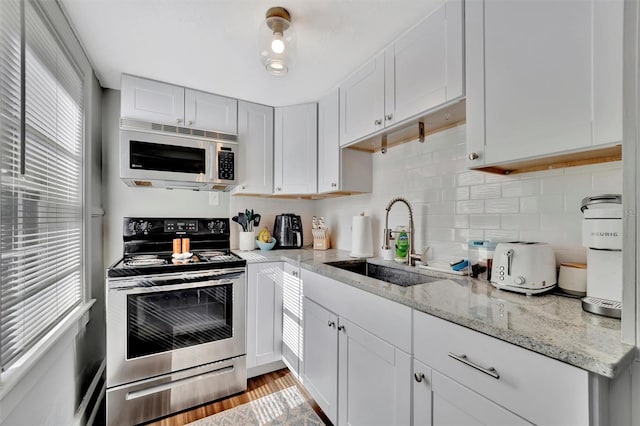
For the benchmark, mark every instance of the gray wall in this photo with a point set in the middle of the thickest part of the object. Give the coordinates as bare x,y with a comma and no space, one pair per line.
121,201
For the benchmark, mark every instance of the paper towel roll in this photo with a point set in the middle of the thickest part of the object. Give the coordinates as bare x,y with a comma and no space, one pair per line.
361,239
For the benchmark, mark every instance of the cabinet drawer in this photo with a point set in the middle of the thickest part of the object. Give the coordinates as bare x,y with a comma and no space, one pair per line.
388,320
523,376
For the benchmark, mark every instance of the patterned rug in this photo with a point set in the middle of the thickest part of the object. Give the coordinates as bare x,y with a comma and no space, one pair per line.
286,407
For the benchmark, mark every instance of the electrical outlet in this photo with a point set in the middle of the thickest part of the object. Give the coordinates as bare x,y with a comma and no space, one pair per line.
214,198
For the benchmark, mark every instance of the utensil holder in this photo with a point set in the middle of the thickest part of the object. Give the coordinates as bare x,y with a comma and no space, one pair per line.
321,239
247,241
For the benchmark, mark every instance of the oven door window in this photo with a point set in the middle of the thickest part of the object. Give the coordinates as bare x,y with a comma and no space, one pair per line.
163,321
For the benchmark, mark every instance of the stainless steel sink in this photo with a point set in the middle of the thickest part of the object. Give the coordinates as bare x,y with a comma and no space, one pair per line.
382,273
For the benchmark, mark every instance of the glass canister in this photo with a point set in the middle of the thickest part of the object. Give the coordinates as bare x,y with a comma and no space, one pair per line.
481,259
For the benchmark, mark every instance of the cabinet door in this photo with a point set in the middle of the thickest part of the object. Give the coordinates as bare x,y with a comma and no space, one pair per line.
211,112
421,394
362,101
151,101
549,71
374,385
424,68
291,318
296,149
255,140
264,314
453,404
328,143
320,375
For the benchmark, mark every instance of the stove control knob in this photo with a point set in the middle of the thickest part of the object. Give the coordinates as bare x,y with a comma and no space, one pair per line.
519,280
216,227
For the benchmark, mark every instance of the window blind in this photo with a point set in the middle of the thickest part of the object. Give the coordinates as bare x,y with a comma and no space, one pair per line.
41,218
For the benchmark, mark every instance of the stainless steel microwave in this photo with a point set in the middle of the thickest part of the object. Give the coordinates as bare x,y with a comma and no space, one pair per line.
177,162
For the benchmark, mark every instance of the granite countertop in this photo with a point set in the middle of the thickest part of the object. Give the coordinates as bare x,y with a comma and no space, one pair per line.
548,324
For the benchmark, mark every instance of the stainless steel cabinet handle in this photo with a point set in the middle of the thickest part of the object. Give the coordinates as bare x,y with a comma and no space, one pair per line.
418,376
473,156
341,328
377,122
488,371
331,324
388,117
333,184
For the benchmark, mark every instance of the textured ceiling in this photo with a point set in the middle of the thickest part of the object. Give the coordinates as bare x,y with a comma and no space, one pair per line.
212,45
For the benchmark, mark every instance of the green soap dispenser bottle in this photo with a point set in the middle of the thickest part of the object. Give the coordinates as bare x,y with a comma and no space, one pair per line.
402,246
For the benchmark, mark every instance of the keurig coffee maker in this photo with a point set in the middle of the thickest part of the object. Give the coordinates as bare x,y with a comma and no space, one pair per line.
602,235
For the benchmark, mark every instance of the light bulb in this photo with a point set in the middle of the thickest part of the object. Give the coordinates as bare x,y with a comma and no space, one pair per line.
277,44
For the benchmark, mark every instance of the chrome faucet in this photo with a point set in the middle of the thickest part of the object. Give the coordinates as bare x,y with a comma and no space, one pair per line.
388,233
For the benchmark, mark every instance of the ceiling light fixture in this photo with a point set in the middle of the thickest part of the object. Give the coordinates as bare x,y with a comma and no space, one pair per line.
277,41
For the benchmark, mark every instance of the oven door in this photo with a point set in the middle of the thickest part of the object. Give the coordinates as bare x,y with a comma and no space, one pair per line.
164,323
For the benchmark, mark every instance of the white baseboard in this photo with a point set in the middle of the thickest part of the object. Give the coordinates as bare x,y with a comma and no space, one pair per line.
264,369
81,412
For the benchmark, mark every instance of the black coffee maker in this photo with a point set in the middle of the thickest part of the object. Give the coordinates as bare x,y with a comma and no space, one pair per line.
287,230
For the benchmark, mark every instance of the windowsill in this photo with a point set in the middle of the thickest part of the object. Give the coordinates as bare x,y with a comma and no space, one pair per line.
10,378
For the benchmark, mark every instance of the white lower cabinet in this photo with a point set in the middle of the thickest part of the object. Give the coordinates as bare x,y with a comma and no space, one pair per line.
373,379
264,313
477,379
355,374
320,376
292,318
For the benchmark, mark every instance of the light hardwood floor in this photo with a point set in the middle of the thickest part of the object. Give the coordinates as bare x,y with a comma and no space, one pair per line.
257,387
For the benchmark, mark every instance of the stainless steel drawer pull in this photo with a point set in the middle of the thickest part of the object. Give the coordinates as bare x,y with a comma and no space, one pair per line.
418,376
331,324
341,328
488,371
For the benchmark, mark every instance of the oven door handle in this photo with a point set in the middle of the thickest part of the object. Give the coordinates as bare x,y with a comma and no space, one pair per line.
222,276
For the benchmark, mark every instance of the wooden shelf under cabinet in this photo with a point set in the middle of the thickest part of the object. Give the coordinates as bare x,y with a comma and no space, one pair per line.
581,158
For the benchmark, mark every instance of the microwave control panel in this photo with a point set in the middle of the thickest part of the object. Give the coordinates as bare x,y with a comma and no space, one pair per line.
226,164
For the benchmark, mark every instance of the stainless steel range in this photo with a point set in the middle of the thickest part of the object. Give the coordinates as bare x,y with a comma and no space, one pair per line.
175,323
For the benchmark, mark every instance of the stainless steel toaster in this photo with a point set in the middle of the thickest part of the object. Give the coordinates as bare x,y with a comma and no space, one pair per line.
524,267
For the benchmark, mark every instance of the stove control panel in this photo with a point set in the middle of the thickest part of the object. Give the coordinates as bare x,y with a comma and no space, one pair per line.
181,225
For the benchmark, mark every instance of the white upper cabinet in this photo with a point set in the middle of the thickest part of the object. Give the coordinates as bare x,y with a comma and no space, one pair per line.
255,139
151,101
345,170
156,102
295,149
424,68
543,78
420,71
212,112
362,101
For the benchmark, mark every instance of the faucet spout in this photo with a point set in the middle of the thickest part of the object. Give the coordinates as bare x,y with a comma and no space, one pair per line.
411,256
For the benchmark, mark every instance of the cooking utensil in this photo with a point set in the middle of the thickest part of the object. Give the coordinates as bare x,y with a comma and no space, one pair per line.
235,219
242,220
256,220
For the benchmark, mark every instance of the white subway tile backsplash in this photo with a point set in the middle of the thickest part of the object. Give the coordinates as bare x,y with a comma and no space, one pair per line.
461,221
502,205
483,192
542,204
470,178
521,188
484,221
462,193
469,234
521,222
501,235
607,182
472,206
453,205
